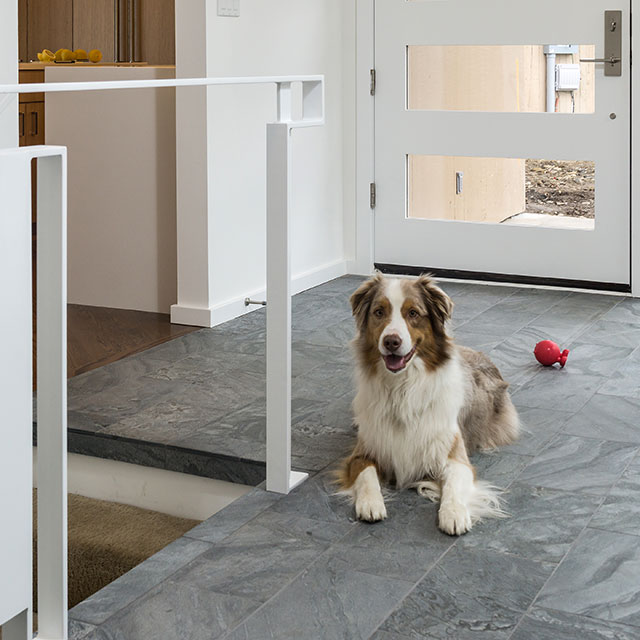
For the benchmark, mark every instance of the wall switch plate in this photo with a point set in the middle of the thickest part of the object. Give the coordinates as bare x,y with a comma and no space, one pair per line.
229,8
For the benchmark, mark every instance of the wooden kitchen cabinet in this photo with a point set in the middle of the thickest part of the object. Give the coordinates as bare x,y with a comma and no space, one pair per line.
34,123
22,126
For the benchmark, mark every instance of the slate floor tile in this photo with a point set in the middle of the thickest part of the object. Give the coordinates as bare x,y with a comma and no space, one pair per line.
569,317
547,624
542,523
122,400
586,465
470,337
598,578
78,629
538,426
404,546
621,509
607,417
534,301
177,611
329,600
596,359
500,467
335,335
214,368
326,382
470,594
628,310
317,498
612,333
234,515
554,388
134,584
258,559
625,381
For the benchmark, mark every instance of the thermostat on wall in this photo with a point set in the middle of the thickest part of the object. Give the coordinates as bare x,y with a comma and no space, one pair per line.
229,8
567,77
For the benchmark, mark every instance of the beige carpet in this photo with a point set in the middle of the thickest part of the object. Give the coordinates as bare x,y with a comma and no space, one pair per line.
107,539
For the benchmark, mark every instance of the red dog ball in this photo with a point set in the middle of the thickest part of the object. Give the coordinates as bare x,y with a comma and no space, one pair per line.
548,353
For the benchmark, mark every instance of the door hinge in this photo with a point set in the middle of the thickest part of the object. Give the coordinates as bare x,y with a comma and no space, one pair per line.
372,85
372,195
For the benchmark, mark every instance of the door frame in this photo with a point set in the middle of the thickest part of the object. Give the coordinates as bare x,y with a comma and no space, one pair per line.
365,143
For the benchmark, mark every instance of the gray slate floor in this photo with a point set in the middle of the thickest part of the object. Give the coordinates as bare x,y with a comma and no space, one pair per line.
565,565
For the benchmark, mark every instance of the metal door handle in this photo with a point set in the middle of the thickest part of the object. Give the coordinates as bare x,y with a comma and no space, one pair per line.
610,60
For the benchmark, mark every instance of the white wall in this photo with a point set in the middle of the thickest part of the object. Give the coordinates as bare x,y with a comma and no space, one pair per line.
278,37
8,72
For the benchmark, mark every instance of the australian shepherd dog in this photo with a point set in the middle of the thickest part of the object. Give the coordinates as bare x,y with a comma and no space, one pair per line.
423,405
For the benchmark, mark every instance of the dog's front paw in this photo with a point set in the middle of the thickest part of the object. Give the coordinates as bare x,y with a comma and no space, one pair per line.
370,508
454,518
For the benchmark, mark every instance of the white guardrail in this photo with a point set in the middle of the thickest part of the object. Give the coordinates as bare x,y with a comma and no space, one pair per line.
300,103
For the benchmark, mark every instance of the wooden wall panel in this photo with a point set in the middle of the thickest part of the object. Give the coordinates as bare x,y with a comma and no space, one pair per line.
491,78
493,188
93,25
49,25
157,31
22,31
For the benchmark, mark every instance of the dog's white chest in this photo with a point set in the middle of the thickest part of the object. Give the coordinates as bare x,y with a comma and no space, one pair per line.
408,425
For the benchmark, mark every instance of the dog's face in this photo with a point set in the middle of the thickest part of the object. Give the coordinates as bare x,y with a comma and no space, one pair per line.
401,320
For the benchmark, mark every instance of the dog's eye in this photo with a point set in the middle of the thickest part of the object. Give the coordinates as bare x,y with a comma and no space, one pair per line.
378,313
413,313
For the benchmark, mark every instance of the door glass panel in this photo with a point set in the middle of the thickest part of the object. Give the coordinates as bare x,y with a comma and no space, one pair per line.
505,78
549,193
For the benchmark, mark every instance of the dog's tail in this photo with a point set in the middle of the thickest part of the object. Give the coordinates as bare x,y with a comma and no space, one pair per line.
484,501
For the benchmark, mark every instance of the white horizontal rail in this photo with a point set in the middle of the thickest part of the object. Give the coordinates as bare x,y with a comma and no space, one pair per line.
310,107
52,87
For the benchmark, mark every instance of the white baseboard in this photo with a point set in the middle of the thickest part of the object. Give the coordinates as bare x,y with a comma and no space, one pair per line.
235,307
195,316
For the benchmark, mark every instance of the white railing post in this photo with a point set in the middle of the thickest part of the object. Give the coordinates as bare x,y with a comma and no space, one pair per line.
280,478
52,397
15,397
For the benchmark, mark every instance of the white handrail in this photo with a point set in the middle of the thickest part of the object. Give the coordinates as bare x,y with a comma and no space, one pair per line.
311,108
52,87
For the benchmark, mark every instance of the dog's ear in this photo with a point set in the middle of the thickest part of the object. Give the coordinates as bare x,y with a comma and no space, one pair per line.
435,299
362,297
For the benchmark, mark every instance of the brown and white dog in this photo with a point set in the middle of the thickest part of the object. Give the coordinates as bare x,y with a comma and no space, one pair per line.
423,404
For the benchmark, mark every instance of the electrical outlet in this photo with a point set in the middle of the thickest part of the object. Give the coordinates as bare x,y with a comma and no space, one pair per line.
229,8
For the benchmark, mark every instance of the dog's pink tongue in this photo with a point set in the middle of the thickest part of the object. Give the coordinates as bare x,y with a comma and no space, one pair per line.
394,362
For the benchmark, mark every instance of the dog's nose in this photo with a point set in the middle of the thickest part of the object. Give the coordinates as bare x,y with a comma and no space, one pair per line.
392,342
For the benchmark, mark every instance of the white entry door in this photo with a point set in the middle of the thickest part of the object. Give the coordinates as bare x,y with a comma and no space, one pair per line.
475,177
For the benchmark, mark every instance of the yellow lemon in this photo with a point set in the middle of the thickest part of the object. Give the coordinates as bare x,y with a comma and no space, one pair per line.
48,56
95,55
68,55
81,54
58,55
39,56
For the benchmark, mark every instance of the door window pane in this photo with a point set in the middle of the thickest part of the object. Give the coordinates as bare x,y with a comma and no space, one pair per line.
550,193
509,78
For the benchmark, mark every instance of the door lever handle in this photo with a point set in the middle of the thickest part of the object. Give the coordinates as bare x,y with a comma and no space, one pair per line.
609,60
